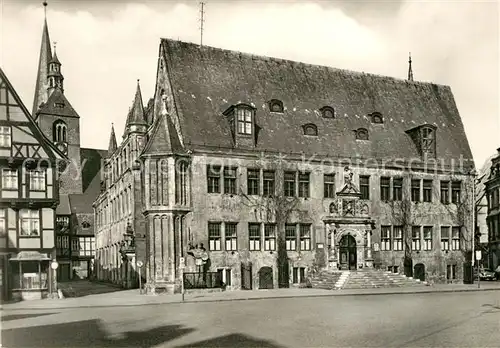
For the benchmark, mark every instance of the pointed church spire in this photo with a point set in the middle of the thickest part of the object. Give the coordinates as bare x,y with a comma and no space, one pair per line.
55,76
410,71
41,94
136,120
112,141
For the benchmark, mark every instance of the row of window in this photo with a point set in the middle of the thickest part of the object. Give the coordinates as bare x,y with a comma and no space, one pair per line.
276,105
298,275
85,246
118,207
119,164
391,238
260,236
10,179
29,221
245,115
421,190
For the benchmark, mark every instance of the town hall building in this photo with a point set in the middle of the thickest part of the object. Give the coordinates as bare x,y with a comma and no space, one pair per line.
259,172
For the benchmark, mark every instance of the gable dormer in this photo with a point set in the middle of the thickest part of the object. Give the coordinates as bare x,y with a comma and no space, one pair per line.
424,138
241,118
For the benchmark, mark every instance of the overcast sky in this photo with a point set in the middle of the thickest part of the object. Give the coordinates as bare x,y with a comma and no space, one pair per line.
105,46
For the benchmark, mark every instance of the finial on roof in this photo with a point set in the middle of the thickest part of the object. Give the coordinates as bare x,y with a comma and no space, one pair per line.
410,70
45,8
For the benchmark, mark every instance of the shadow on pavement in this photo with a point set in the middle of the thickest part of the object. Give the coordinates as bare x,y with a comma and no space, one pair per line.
23,316
88,333
233,340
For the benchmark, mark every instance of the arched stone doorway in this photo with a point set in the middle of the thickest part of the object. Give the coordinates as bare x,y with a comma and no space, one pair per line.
419,272
348,253
266,278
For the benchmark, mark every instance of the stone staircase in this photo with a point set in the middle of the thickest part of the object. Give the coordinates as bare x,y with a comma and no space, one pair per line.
361,279
370,278
329,280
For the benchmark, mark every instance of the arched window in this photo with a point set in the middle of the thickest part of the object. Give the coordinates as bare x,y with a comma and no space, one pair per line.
327,112
276,105
361,134
310,129
377,117
59,131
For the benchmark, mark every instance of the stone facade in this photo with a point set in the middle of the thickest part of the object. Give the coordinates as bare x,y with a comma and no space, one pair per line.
261,193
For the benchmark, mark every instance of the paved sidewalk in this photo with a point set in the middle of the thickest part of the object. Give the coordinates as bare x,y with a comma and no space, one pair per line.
133,298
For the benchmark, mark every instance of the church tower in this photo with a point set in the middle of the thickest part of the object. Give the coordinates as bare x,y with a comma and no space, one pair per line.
55,115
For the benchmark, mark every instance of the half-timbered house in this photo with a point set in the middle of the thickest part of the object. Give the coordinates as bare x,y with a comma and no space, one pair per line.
29,195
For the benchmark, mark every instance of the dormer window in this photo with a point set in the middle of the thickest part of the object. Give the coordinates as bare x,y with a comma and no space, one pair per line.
241,120
361,134
327,112
424,138
244,119
428,141
85,224
377,117
310,129
276,105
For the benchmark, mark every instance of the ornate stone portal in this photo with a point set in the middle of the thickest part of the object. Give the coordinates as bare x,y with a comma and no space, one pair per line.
349,228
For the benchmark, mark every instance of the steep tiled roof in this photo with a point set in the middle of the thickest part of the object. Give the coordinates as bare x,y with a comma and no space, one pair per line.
43,61
91,180
93,158
164,138
58,105
207,80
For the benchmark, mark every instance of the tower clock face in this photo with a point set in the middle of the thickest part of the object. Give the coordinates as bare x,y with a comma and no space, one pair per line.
63,147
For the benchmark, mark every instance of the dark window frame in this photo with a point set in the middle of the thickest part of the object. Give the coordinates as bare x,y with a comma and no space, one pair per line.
253,181
329,185
304,184
427,190
364,186
397,189
385,188
269,180
289,185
